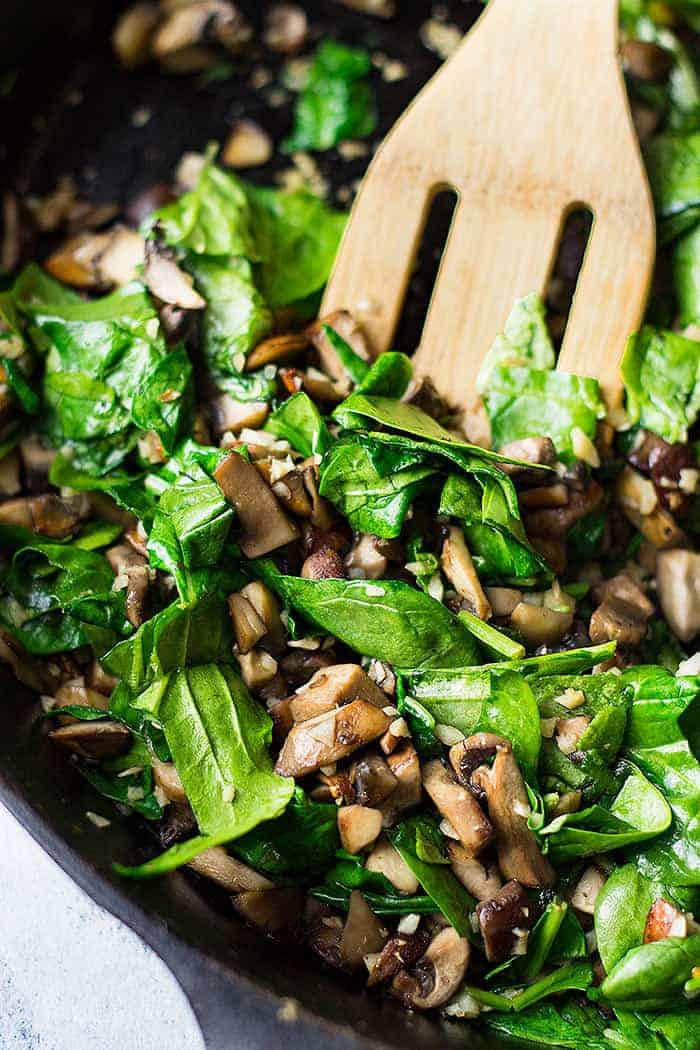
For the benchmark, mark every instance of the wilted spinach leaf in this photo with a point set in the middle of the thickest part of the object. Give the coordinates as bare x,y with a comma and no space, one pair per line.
661,371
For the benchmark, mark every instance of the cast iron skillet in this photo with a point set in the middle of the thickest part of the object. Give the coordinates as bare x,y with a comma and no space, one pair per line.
71,110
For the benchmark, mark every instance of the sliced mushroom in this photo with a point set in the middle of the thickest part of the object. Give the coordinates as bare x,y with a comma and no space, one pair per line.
247,625
231,415
98,679
291,492
323,930
276,347
620,621
587,889
467,755
257,668
365,561
72,694
458,806
404,765
322,517
437,975
539,625
556,495
555,522
502,918
362,934
658,528
358,826
167,281
48,514
133,34
481,879
678,583
539,451
503,599
195,23
131,570
177,824
568,732
635,492
286,26
664,920
329,737
119,261
388,862
268,609
93,740
168,780
265,525
400,952
231,874
275,911
458,567
348,329
332,686
519,856
247,146
324,564
373,780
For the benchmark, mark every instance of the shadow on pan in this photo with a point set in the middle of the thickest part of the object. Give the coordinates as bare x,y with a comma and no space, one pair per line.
72,111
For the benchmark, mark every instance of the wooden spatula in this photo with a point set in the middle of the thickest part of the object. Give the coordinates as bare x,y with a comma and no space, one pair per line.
528,121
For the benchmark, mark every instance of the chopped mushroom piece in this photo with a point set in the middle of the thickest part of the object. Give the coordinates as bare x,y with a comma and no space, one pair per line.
286,26
519,856
458,567
554,523
365,561
276,911
503,599
501,918
167,281
539,451
568,732
331,736
330,687
49,515
388,862
247,625
234,416
276,348
257,668
358,826
121,258
539,625
664,920
472,752
481,879
231,874
324,564
132,570
437,975
195,23
678,583
587,889
347,328
168,780
373,780
247,146
93,740
458,806
265,525
404,765
400,951
98,679
618,620
133,34
658,528
363,933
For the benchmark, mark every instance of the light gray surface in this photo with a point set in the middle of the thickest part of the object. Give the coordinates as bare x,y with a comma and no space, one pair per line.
72,977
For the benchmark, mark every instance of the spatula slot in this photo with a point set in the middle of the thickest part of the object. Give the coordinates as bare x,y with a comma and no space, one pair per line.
432,244
568,263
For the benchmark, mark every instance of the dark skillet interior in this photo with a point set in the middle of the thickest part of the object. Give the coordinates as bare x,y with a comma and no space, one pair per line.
71,111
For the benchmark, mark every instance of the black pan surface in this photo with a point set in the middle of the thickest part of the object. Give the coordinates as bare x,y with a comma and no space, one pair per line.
71,110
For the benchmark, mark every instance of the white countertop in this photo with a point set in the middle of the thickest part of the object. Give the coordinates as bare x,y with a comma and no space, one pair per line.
72,977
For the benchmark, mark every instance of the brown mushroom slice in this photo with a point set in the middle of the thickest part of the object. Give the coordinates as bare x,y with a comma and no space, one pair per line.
133,33
481,879
386,860
362,933
72,694
191,24
568,732
229,414
291,492
247,146
539,625
168,780
364,561
587,889
619,620
358,827
678,584
404,765
247,625
373,780
49,515
348,329
519,856
265,525
268,609
286,26
400,952
329,737
131,569
502,920
121,258
539,451
257,668
556,495
231,874
98,679
664,920
437,975
275,911
276,348
75,261
322,931
469,754
167,281
93,740
555,522
458,806
332,686
503,599
458,567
